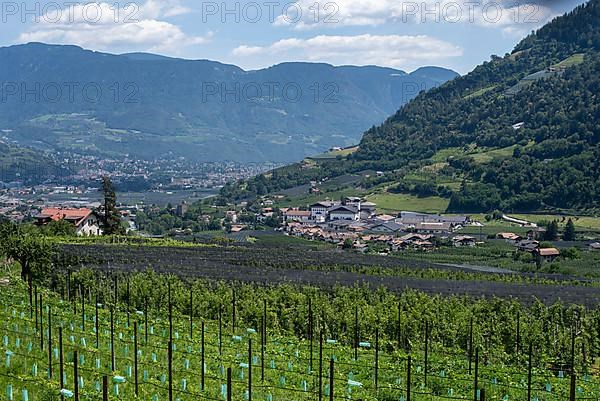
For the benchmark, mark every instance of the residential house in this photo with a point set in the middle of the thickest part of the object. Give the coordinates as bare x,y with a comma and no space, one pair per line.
511,238
367,210
536,233
423,245
434,228
236,228
339,225
411,238
319,211
360,246
297,215
385,218
353,201
547,254
388,227
264,216
414,218
231,215
86,221
527,245
344,212
463,241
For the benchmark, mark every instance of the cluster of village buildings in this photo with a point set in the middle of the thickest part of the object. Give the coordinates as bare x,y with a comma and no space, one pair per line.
354,221
531,243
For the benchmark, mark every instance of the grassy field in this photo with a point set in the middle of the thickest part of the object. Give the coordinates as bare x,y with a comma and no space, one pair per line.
587,223
387,202
479,92
335,154
575,59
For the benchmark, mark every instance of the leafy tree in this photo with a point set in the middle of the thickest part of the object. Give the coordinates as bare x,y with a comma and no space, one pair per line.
60,228
551,231
27,246
569,234
112,218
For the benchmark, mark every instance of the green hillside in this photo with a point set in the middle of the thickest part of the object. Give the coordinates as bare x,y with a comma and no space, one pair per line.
22,164
519,132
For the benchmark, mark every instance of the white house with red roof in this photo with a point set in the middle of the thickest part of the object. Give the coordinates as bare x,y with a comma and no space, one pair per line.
86,221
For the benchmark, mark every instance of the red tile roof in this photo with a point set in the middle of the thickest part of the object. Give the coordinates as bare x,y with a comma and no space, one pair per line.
56,214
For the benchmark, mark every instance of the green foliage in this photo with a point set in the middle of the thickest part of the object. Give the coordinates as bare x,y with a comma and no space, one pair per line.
551,233
29,248
59,228
112,218
569,234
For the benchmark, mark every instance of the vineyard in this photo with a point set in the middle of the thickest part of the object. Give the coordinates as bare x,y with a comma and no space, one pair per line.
328,268
90,336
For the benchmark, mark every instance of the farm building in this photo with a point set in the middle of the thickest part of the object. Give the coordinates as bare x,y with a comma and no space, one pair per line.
511,238
297,215
547,254
86,221
342,212
463,240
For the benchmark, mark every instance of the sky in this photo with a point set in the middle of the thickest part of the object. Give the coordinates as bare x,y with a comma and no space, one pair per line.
257,34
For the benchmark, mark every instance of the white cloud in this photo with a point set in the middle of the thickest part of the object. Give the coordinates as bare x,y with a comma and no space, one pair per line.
303,15
385,50
102,26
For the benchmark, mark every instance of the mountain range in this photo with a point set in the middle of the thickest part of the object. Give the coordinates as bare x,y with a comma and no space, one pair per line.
518,133
149,106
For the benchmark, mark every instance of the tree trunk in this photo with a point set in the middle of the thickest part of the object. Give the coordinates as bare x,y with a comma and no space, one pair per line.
25,270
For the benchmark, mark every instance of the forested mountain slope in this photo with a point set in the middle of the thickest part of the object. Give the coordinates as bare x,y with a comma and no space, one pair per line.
519,132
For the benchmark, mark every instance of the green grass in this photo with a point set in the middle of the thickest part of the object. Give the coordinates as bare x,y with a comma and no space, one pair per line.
480,92
489,155
387,202
575,59
335,154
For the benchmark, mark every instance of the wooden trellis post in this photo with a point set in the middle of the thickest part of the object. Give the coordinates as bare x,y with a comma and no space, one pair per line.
529,369
75,375
170,357
331,379
426,350
41,322
321,365
471,345
191,312
97,324
233,312
61,361
356,339
112,341
50,343
229,391
82,308
135,357
376,358
202,361
476,379
104,388
249,369
408,377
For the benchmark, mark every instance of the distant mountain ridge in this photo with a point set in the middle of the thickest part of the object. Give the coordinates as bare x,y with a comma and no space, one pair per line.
146,105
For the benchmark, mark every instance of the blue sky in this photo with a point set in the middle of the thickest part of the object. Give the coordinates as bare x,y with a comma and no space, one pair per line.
257,34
